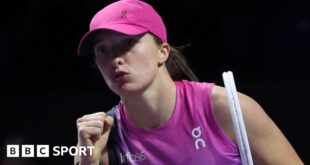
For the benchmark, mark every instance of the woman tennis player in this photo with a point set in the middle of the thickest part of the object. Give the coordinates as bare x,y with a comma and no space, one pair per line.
165,116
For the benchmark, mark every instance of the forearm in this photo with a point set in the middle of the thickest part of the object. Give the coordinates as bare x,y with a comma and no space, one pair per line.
84,160
78,162
103,160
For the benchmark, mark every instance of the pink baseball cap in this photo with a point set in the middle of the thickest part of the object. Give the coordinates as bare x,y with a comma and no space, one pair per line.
131,17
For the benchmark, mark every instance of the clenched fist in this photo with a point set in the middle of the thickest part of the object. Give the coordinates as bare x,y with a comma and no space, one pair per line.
93,130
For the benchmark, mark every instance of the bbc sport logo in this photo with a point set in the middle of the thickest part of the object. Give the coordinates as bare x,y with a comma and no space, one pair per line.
43,151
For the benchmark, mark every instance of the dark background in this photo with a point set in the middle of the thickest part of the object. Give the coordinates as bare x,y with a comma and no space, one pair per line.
45,86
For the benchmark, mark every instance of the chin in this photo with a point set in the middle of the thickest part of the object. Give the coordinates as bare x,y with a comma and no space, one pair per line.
128,88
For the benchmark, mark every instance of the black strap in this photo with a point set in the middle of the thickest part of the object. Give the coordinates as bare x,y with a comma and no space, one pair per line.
113,141
78,163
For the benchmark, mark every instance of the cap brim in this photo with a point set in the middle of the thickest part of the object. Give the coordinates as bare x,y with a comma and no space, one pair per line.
86,43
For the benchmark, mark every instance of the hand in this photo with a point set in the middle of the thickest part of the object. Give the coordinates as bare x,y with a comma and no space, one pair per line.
93,130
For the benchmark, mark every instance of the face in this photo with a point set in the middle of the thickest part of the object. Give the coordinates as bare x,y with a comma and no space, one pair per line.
127,64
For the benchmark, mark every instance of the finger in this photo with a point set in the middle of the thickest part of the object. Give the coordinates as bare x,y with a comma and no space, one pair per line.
108,121
103,114
88,132
99,113
89,118
95,114
107,129
92,123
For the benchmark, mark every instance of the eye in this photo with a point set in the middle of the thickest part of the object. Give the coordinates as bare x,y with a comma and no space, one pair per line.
128,43
101,51
124,46
101,54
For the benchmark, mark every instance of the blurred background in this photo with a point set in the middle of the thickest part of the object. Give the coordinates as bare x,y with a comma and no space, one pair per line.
45,86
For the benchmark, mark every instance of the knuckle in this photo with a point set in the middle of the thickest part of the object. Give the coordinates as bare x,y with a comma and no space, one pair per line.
79,120
83,132
102,114
81,128
79,125
101,123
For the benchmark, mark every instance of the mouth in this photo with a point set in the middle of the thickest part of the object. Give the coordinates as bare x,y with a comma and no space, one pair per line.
118,76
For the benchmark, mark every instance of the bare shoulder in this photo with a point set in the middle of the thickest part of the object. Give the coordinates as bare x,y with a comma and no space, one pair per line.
219,100
220,107
268,144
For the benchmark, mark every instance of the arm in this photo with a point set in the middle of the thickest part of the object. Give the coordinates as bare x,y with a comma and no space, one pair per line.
104,158
268,145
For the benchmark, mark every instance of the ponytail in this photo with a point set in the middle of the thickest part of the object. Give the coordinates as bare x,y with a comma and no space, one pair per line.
177,65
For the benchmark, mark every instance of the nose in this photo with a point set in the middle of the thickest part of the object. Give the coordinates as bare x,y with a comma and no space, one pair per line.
118,61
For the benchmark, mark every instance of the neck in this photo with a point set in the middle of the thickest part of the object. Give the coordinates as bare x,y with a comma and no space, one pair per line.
153,107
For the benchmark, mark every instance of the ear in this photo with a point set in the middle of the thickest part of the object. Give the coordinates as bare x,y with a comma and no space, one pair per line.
164,53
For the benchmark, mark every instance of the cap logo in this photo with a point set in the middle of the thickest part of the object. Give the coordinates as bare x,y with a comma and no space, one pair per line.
124,12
